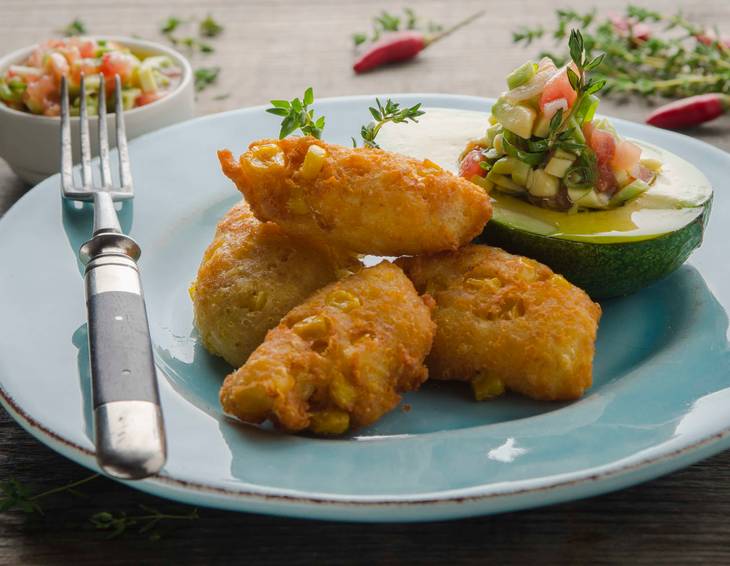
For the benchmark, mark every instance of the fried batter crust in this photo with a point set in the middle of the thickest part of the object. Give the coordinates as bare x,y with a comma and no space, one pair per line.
251,275
507,318
363,200
340,359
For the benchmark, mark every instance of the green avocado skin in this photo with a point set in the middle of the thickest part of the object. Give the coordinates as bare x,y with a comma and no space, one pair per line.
603,270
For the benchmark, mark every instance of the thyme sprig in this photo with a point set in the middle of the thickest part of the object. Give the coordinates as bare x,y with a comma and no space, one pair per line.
391,111
297,115
646,52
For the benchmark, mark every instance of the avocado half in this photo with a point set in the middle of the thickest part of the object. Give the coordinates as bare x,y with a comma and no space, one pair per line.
603,269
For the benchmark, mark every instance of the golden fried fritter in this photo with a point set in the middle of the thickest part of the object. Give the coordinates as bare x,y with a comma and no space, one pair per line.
339,359
506,321
360,199
251,275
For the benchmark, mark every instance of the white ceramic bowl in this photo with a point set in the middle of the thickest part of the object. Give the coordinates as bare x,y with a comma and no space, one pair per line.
30,143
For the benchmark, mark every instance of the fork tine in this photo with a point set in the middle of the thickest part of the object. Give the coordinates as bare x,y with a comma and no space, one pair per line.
86,178
106,174
66,157
125,174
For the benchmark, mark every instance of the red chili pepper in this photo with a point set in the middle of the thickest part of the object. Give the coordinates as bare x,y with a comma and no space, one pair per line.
691,111
401,46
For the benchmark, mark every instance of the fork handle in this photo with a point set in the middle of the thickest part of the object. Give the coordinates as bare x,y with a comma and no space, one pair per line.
130,439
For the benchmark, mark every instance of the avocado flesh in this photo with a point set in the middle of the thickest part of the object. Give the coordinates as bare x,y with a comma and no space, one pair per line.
604,269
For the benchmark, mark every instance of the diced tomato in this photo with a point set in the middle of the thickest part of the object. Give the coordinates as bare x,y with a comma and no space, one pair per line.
115,63
87,67
606,179
469,166
626,156
604,145
147,98
558,87
86,47
41,96
56,65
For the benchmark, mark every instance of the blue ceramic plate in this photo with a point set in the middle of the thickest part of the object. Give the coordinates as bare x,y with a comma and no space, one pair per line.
659,401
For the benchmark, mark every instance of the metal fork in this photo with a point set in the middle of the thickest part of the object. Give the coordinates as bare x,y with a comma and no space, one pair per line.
129,433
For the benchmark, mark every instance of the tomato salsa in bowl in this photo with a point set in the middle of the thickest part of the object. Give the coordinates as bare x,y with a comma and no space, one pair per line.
157,91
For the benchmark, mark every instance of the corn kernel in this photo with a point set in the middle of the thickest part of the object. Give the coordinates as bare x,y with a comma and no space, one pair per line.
296,203
259,300
330,421
312,327
486,387
343,300
313,162
343,393
267,155
492,284
253,403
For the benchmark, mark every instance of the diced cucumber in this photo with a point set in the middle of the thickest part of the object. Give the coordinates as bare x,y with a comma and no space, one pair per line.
146,78
622,178
558,166
543,184
504,166
515,117
542,126
129,95
521,173
562,154
483,182
492,132
632,190
506,184
592,199
576,194
586,109
498,145
521,75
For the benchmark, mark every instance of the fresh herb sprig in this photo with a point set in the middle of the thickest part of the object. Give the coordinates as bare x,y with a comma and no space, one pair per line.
118,523
15,496
297,115
384,113
386,22
205,76
207,28
647,53
76,27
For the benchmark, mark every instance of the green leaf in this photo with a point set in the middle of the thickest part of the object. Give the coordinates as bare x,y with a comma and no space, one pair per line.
280,103
593,87
595,62
575,44
308,96
359,38
209,27
573,79
278,111
170,25
556,120
76,27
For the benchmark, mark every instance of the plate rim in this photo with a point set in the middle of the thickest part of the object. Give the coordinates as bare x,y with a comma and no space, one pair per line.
341,507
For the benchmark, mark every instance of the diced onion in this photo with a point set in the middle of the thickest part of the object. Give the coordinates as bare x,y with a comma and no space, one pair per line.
546,69
552,107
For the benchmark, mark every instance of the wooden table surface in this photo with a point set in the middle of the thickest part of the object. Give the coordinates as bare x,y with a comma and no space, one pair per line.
275,49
